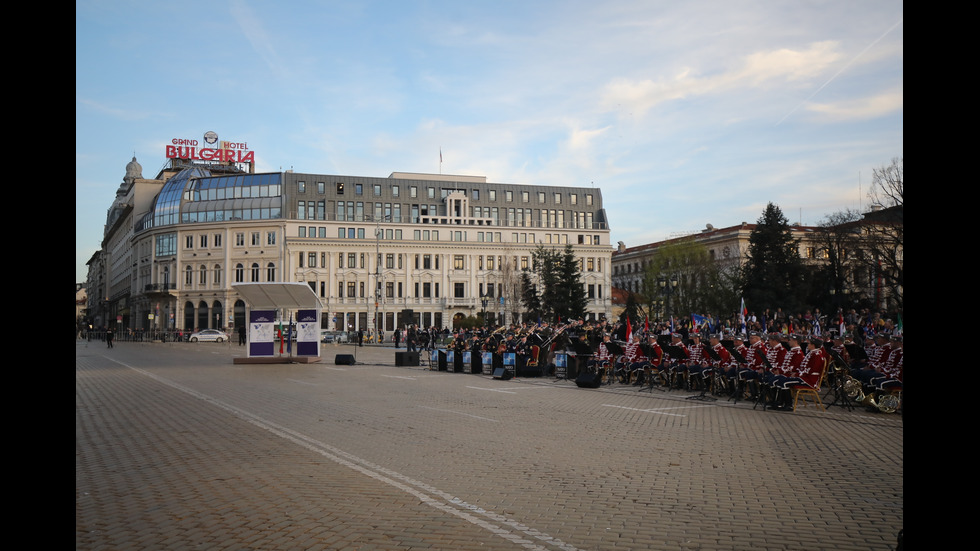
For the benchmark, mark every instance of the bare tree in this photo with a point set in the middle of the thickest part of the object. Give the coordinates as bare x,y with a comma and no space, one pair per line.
884,230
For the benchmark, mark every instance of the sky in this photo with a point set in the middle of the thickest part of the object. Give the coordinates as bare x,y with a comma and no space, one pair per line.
682,114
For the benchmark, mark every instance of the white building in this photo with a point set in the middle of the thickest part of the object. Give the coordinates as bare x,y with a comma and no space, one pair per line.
432,247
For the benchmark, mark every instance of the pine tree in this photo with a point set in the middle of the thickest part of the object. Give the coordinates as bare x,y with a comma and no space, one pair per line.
773,274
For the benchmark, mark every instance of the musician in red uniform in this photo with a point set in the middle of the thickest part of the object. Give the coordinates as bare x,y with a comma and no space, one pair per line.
653,356
755,368
678,365
722,364
890,376
697,362
624,364
799,369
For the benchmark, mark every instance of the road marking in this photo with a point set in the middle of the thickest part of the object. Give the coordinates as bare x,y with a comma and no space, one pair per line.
495,523
399,377
461,413
661,411
303,382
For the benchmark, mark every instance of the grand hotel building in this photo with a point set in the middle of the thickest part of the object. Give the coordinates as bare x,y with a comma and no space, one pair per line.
378,252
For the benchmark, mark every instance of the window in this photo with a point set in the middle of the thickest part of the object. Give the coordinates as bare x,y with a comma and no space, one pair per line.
394,191
525,197
216,274
413,191
270,238
476,195
320,187
204,275
217,240
188,277
493,195
541,197
239,239
255,239
427,262
377,190
204,241
239,273
459,290
351,260
340,188
270,272
390,261
573,198
311,260
301,186
588,199
431,192
459,262
358,189
558,198
509,196
189,242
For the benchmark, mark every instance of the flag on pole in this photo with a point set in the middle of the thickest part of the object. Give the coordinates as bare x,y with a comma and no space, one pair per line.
289,335
741,314
280,335
629,330
440,155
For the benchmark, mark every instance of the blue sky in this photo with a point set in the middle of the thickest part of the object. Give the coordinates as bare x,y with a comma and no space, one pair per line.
682,113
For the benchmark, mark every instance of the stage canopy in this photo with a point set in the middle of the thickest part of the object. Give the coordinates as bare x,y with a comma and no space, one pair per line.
270,295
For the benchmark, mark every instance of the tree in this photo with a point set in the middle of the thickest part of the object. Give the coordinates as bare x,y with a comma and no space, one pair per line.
885,233
562,294
773,274
530,298
701,284
838,239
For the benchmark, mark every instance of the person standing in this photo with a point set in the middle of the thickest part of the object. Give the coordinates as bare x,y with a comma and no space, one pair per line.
398,335
411,338
108,337
241,335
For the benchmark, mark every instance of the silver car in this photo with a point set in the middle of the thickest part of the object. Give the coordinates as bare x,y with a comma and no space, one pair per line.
210,335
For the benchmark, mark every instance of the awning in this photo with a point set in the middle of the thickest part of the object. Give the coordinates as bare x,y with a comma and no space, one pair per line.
278,295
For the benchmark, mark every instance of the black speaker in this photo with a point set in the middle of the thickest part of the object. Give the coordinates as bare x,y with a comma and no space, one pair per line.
344,359
588,380
502,374
406,358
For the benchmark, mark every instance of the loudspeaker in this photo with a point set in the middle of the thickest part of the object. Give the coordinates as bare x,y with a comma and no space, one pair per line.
588,380
344,359
406,358
502,374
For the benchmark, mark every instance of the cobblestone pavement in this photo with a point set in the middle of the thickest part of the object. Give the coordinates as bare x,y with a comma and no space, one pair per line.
176,447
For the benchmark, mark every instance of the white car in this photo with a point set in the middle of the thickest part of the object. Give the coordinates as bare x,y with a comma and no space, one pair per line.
333,336
210,335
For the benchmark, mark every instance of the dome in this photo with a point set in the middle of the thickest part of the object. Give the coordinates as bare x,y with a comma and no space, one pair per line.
133,171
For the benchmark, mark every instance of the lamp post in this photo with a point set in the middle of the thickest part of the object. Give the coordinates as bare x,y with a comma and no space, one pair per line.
378,283
667,288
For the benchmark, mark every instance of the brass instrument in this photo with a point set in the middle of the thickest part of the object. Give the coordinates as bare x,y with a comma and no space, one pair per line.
887,402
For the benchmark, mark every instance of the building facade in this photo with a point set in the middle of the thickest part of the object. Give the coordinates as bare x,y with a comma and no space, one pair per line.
378,252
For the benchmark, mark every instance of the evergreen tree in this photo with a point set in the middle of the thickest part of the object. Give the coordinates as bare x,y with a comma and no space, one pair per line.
773,275
562,294
530,298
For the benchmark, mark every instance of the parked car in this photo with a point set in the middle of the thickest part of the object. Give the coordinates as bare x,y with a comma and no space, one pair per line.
333,336
210,335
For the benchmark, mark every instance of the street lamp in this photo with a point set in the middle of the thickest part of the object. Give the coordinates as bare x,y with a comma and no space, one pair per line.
667,288
378,283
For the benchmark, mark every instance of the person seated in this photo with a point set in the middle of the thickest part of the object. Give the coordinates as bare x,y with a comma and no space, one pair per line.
650,368
799,370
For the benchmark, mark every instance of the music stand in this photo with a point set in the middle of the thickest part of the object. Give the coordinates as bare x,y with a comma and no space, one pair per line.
704,396
840,393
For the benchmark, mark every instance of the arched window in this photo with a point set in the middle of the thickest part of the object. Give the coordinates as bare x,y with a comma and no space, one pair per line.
239,273
270,272
204,275
255,271
188,277
217,274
